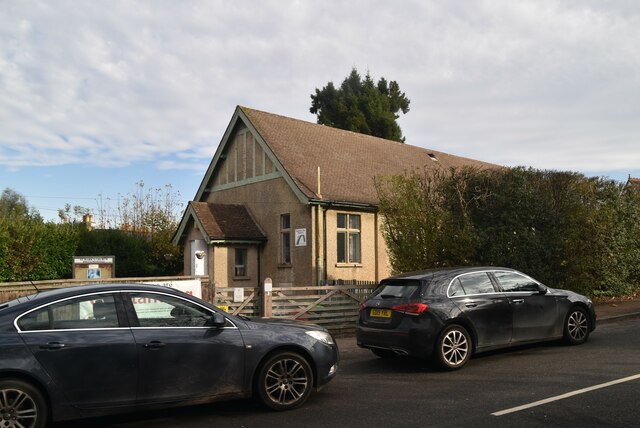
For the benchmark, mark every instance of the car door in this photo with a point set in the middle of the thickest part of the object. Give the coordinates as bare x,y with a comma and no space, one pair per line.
182,358
534,312
487,309
85,346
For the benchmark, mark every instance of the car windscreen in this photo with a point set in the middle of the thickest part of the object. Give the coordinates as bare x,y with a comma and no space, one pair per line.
397,289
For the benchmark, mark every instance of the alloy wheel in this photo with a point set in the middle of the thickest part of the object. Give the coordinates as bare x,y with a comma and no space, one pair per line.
577,326
17,409
455,348
287,381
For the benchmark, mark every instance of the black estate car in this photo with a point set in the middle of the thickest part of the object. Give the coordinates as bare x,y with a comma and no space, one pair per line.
449,314
98,349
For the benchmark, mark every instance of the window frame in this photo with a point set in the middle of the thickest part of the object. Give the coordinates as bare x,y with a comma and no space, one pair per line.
244,272
348,233
284,256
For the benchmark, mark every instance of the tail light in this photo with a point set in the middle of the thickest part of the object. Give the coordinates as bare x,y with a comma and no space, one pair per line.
411,308
363,306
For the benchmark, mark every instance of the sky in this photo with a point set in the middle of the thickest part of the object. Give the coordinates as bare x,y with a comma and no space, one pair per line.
97,96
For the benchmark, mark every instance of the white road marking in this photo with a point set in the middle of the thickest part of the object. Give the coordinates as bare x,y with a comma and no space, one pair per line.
563,396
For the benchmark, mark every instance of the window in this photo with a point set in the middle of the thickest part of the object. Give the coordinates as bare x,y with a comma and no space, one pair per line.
285,239
473,283
86,312
348,238
513,282
160,310
241,262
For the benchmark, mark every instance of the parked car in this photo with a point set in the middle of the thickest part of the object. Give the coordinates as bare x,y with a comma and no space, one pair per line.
99,349
450,314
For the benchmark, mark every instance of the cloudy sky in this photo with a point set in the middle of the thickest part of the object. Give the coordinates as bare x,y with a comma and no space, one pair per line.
98,95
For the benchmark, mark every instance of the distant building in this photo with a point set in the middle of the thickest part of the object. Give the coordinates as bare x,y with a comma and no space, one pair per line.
633,183
296,202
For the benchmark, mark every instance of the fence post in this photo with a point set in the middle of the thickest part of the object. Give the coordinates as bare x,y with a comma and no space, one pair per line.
267,287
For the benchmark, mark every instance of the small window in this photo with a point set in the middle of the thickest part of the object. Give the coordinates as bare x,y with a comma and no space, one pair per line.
475,283
513,282
241,262
348,238
285,239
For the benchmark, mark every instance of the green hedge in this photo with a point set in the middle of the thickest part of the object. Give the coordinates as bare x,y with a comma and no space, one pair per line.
563,228
32,250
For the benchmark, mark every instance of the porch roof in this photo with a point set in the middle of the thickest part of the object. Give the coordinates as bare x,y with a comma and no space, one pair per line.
222,222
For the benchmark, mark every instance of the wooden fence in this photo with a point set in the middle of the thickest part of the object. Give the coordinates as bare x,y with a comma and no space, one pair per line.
335,307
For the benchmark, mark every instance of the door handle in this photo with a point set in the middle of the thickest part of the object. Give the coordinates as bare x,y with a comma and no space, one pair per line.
154,345
471,305
518,301
52,346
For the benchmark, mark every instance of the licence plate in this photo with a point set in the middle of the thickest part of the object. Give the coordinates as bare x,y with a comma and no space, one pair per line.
381,313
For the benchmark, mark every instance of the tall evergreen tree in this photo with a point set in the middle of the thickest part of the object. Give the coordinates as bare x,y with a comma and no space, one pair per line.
362,106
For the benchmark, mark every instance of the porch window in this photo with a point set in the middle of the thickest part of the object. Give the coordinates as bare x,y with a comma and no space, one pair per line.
348,238
241,262
285,239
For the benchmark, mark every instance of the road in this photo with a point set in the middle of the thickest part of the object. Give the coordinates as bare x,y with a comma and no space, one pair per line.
371,392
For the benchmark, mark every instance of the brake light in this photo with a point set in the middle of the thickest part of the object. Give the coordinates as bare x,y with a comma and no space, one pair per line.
411,308
363,306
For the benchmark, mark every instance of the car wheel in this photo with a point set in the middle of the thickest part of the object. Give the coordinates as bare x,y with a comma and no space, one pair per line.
576,326
384,353
453,349
21,405
285,381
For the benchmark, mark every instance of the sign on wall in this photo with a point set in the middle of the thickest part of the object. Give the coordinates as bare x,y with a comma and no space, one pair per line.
301,237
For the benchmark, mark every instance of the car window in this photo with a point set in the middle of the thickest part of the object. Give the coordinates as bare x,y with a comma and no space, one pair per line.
397,289
161,310
512,282
85,312
474,283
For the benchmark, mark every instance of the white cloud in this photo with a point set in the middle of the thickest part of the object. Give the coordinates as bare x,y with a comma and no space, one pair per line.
552,84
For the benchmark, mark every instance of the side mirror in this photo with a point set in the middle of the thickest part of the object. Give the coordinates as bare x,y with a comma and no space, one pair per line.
542,289
217,320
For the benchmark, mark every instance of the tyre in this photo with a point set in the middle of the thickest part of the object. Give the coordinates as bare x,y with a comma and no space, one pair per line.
285,381
21,405
384,353
453,349
576,326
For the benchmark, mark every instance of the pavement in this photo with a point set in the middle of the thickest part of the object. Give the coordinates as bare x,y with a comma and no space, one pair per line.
618,309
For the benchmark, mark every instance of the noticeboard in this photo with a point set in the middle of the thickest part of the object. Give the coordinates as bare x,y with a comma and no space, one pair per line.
94,267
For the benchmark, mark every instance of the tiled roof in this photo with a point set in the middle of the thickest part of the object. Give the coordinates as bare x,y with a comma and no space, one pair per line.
348,161
227,222
633,183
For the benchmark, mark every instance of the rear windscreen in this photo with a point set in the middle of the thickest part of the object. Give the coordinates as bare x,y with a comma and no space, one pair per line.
397,289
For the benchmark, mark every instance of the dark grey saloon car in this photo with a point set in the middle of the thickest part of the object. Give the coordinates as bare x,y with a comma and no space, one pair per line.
449,314
98,349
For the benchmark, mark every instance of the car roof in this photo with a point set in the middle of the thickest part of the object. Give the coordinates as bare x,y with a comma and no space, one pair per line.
448,272
52,294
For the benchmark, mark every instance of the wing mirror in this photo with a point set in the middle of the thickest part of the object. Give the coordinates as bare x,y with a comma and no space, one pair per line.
542,289
217,320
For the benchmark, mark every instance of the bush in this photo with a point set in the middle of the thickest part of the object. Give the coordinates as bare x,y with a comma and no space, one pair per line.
563,228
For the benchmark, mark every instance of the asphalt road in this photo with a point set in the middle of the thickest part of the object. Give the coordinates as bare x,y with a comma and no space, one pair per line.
371,392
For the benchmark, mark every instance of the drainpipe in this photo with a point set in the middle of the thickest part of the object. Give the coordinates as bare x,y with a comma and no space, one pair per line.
319,244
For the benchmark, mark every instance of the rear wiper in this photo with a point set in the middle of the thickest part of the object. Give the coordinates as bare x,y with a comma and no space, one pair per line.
388,296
